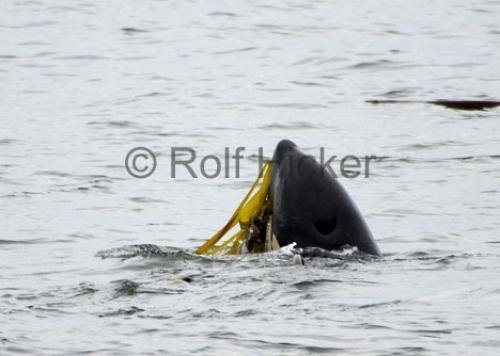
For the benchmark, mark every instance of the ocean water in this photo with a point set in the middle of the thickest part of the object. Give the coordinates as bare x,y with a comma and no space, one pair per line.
90,256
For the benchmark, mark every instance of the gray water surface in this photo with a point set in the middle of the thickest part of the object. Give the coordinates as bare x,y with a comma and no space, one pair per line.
89,255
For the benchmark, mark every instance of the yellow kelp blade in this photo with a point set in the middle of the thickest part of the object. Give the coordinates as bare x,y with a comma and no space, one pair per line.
254,203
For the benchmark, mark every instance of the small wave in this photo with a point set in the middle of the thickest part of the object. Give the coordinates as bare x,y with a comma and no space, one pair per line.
7,141
222,13
309,283
146,200
287,255
289,126
21,242
30,25
81,57
381,304
399,93
131,30
381,64
245,49
307,84
436,159
52,174
146,251
126,287
84,288
432,145
130,311
294,105
346,253
434,256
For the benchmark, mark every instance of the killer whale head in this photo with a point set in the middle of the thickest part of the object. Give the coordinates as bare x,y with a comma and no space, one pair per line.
311,208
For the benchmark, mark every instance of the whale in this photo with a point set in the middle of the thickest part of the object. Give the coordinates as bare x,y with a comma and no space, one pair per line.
311,208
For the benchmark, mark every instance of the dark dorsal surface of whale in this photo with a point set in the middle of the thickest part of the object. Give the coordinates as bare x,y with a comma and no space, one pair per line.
311,208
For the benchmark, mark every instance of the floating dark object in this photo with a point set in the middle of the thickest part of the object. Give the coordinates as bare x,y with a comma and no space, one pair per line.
183,277
466,104
450,104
